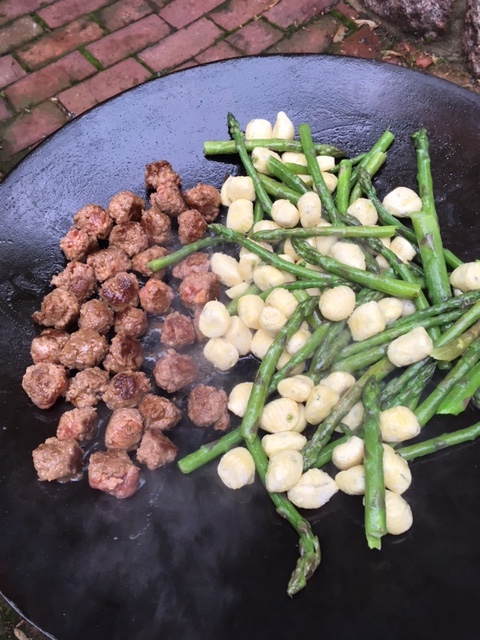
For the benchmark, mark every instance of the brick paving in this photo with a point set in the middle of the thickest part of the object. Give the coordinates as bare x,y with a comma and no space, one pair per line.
61,57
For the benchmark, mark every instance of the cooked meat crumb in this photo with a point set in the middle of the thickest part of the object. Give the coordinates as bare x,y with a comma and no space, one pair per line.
126,206
124,430
206,199
130,237
77,244
132,321
114,473
159,413
197,289
161,172
156,297
168,199
194,263
126,389
125,354
78,424
94,220
47,346
57,460
191,226
44,383
59,310
156,450
120,291
97,315
87,387
177,331
173,371
78,278
109,262
207,406
84,349
140,261
157,226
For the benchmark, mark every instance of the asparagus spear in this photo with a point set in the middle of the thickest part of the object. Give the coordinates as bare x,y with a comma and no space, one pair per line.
340,231
440,442
426,225
382,144
280,171
375,512
343,185
360,360
395,385
458,398
278,189
389,286
259,392
210,451
403,325
309,545
262,195
227,147
325,429
184,252
408,393
429,406
454,349
320,279
314,170
257,211
372,166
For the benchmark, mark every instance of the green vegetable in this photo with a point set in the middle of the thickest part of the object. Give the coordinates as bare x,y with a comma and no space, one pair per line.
227,147
341,231
210,451
174,258
375,512
459,396
440,442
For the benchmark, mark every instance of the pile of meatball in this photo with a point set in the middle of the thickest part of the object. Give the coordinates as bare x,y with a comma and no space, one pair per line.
93,320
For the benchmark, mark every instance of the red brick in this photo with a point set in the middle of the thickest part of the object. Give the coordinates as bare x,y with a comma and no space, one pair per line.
314,38
179,13
123,12
46,82
238,12
10,71
364,43
286,12
347,11
181,46
59,42
11,9
124,42
30,128
5,111
64,11
17,33
255,37
220,51
103,85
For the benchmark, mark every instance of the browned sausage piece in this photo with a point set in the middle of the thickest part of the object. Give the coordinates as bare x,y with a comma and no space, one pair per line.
173,371
97,315
114,473
132,321
197,289
125,390
177,331
130,237
205,199
57,460
160,172
140,261
94,220
120,291
109,262
156,297
157,226
78,424
194,263
78,278
191,226
126,206
159,413
125,354
44,383
47,346
77,244
207,406
168,198
156,450
84,349
124,430
59,309
87,387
